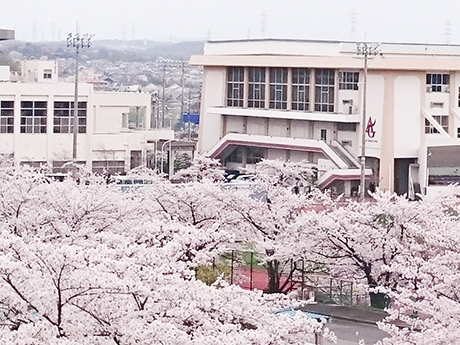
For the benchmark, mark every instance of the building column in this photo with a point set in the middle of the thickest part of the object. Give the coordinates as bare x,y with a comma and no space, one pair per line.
347,188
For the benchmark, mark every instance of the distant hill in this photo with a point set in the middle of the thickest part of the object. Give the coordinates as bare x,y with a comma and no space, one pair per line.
112,50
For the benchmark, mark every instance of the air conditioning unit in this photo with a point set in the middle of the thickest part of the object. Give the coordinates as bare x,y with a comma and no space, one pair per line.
445,88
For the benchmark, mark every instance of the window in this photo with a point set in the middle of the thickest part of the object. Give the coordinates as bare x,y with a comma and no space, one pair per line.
437,82
109,167
47,74
323,134
136,117
236,156
63,117
443,120
33,116
7,117
235,86
459,96
324,90
63,167
256,96
278,88
300,89
346,127
255,155
349,80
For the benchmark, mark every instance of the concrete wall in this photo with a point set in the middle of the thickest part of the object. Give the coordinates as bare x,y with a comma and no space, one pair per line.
105,135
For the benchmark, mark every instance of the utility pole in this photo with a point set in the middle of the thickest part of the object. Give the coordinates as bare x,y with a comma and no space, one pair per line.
163,99
182,87
366,50
77,42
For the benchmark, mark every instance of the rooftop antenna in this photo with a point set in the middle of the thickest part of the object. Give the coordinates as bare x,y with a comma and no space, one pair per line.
448,31
208,35
353,23
263,23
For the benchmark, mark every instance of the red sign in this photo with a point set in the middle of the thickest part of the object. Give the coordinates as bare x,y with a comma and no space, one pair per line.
370,128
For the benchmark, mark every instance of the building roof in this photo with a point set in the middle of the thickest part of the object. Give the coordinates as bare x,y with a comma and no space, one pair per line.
328,54
6,34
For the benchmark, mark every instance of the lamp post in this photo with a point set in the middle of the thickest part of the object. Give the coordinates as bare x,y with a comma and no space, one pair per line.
366,50
78,42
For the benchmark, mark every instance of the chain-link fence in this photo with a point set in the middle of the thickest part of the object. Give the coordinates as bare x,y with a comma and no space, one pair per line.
245,269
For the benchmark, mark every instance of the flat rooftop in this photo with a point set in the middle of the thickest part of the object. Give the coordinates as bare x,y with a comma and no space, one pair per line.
6,34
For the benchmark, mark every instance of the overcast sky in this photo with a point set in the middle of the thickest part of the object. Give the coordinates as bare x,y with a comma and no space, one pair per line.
376,20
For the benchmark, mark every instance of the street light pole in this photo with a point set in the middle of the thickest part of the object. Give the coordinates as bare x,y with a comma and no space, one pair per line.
77,42
366,50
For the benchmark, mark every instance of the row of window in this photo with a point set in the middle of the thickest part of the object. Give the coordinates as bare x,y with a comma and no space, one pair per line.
253,155
279,84
34,117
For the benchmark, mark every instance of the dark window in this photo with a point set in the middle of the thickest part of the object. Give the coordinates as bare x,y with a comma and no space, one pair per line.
300,89
349,80
346,127
235,86
256,92
7,117
236,156
437,82
63,117
254,155
324,90
278,88
33,116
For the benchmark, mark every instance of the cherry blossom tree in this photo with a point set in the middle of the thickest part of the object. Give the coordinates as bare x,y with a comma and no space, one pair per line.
86,264
426,301
283,186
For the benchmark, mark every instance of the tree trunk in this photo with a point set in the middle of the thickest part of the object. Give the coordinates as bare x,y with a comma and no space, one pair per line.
379,300
273,276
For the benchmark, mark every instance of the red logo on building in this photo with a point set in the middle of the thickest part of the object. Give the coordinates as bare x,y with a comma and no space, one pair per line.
370,128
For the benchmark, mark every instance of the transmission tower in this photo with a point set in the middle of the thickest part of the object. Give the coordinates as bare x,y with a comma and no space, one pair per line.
448,32
353,23
263,23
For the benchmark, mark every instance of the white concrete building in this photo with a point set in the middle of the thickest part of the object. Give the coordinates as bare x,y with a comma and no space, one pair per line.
297,99
115,130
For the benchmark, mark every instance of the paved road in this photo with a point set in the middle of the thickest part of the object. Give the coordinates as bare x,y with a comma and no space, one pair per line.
350,332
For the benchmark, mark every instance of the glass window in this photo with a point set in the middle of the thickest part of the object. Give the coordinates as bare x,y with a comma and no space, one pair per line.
278,88
236,156
324,90
63,117
349,80
109,167
254,155
7,117
443,120
256,92
437,82
47,74
300,89
33,116
235,86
